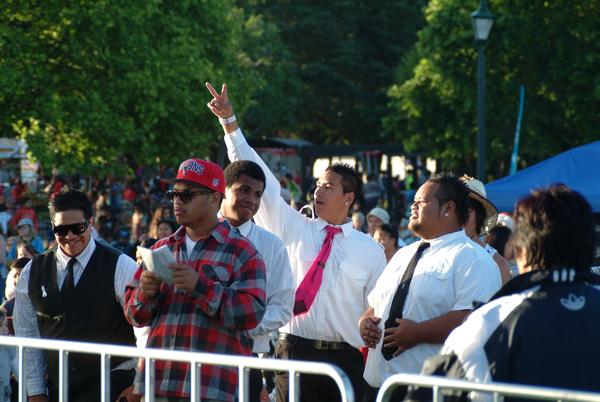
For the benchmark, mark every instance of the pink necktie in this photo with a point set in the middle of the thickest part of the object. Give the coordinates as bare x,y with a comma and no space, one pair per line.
307,291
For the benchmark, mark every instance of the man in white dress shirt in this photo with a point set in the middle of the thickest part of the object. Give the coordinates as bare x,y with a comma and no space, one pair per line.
428,288
328,252
245,184
75,293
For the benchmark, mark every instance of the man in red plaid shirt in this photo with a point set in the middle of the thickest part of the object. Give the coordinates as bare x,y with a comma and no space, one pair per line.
218,290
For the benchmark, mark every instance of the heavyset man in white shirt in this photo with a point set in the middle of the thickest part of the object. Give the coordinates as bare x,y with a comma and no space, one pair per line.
245,183
452,273
327,332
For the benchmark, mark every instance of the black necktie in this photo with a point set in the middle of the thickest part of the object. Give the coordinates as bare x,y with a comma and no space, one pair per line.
400,297
68,288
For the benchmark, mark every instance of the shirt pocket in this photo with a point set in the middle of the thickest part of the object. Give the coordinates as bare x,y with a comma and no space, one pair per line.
434,287
217,273
349,281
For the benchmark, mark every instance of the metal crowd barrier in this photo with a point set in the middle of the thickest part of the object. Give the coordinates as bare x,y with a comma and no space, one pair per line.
497,390
243,363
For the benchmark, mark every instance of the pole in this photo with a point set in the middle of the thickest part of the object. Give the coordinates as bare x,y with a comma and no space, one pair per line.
481,142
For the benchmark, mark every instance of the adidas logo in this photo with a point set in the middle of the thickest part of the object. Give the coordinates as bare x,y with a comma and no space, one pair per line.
573,302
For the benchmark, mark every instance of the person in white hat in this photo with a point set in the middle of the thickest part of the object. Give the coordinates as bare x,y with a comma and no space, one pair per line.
482,218
375,218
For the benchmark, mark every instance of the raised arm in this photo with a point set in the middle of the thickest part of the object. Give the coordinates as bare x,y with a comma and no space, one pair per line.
274,214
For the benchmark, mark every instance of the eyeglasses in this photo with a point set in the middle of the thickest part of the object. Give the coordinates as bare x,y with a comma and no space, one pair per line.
75,228
186,195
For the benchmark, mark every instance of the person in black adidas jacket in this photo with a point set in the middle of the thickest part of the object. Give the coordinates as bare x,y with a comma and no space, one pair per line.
541,328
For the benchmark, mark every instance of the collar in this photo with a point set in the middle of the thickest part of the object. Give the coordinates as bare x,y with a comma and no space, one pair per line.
83,258
219,233
545,277
443,240
346,227
244,228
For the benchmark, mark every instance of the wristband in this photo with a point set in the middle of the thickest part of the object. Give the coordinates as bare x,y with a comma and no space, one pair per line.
227,120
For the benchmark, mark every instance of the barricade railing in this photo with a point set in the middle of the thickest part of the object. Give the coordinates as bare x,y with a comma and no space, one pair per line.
494,391
196,359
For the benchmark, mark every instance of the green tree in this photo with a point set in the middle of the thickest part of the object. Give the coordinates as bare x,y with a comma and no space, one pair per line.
344,53
550,47
90,85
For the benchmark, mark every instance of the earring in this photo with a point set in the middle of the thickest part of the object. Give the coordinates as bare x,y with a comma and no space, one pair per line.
446,214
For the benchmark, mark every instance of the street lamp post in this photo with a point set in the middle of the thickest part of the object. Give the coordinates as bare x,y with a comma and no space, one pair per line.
483,20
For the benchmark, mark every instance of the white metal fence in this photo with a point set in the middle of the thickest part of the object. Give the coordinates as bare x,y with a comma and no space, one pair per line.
494,392
244,364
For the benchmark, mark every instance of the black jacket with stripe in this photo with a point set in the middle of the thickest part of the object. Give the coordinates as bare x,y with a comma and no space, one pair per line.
542,328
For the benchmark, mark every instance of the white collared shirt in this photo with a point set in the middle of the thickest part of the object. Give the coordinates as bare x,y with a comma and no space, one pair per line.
25,317
450,275
350,273
280,284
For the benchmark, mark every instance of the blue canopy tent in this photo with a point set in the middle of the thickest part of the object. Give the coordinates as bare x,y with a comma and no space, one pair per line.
578,168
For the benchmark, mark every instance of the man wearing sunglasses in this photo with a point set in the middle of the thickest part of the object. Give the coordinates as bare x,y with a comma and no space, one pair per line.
75,292
217,294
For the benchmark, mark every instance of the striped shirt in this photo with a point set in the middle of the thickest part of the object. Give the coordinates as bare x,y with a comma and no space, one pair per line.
228,300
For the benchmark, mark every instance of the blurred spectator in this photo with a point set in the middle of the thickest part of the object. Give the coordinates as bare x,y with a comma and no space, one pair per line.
405,233
9,289
24,211
499,238
284,191
358,221
372,192
482,217
25,250
25,233
387,235
375,218
139,222
18,190
162,212
121,242
166,228
4,218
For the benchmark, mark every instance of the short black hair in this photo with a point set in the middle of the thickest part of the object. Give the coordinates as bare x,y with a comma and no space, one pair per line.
498,237
174,226
480,214
234,170
20,263
70,200
351,182
391,230
452,188
555,227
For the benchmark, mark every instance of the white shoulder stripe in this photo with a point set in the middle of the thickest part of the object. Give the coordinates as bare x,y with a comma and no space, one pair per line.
467,341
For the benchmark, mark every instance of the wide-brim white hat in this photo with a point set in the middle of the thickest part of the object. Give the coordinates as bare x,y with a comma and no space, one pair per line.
477,193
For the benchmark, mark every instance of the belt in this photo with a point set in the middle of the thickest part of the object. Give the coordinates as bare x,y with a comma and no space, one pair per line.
314,343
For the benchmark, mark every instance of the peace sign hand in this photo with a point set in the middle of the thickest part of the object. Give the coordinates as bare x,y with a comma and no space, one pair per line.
219,104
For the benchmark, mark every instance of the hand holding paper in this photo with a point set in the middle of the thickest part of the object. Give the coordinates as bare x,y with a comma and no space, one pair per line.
157,261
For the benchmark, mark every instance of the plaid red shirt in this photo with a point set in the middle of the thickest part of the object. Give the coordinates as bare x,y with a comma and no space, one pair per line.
228,300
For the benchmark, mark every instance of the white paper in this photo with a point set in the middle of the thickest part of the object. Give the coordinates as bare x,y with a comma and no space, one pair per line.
157,261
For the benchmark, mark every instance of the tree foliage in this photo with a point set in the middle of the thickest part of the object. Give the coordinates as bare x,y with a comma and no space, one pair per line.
344,54
551,47
94,85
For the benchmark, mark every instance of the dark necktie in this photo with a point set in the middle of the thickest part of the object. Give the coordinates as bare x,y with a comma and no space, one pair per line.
400,297
68,288
307,291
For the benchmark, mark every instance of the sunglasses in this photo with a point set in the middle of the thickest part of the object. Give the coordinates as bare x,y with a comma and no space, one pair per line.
75,228
186,195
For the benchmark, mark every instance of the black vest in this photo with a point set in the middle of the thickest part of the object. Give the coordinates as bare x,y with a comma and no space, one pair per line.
97,315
